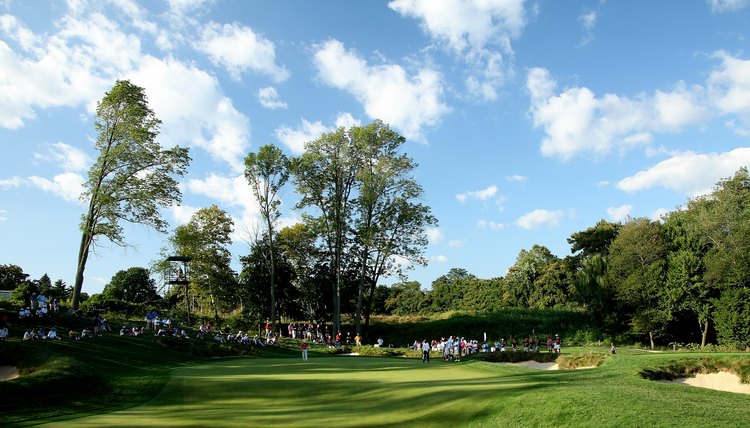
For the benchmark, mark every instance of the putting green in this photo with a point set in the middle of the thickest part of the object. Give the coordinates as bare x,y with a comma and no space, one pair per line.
327,391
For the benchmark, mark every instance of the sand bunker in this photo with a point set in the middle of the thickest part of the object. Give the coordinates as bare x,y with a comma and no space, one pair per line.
721,381
352,354
8,372
535,365
544,366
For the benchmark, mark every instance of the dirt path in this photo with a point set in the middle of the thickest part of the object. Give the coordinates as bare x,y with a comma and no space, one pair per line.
8,372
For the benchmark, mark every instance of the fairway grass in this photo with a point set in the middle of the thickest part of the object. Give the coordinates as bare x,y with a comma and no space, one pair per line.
342,391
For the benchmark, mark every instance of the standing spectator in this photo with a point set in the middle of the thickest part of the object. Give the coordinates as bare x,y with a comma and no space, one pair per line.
268,329
557,343
549,344
358,340
303,347
425,351
4,333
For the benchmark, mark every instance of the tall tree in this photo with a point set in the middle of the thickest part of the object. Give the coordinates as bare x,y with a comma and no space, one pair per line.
11,276
206,238
132,176
132,285
386,215
267,172
636,270
325,176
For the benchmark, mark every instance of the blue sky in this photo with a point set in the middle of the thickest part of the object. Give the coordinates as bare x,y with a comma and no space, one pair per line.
530,120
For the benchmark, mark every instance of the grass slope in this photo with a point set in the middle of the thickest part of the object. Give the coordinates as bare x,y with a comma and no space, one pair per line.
340,391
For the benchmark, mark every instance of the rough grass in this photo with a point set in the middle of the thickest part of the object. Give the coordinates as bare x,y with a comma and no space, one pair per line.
690,367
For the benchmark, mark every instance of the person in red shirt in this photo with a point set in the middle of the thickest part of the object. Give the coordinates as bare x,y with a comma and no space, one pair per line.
303,347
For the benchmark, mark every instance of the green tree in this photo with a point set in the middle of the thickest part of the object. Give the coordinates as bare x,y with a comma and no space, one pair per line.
44,284
522,278
448,291
594,240
206,238
593,290
406,298
11,276
267,172
387,219
636,270
133,285
733,317
133,175
325,176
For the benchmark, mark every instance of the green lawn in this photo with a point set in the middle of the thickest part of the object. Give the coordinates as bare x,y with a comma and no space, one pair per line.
335,391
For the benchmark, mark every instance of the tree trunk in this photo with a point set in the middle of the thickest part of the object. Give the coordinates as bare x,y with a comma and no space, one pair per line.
83,255
651,338
704,338
273,275
360,292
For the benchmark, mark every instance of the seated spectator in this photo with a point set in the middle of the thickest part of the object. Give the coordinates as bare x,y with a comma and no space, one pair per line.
73,335
4,333
52,335
183,334
41,312
29,335
24,312
124,331
219,338
86,332
137,331
41,334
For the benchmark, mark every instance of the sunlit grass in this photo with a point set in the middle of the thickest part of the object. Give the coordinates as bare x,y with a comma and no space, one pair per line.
338,391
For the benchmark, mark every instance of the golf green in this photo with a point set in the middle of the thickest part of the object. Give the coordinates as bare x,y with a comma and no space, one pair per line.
338,391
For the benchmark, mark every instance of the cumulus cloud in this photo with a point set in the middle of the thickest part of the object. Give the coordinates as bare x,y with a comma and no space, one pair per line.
577,122
183,213
619,213
434,235
540,218
491,225
232,192
295,138
239,49
68,185
690,173
193,109
517,178
482,195
439,259
7,183
729,86
658,214
66,156
269,98
456,243
478,32
721,6
387,92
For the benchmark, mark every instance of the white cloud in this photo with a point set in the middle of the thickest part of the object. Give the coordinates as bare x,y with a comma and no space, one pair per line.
729,86
479,32
409,103
67,185
619,213
588,22
68,157
491,225
439,259
720,6
3,215
540,218
269,98
295,139
239,49
434,235
690,173
456,243
576,121
517,178
7,183
183,213
658,214
482,195
193,109
233,192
